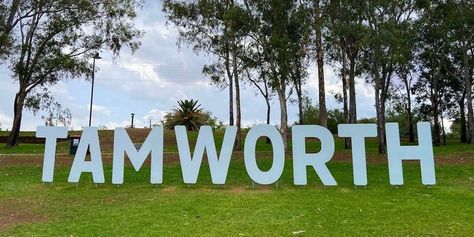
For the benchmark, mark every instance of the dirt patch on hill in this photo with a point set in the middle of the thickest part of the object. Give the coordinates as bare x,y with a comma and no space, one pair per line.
136,136
15,212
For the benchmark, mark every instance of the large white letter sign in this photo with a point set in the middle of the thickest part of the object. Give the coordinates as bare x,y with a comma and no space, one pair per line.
51,134
89,139
219,165
423,152
153,144
272,175
301,159
358,133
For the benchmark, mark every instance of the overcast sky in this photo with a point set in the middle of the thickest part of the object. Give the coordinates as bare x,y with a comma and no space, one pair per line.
150,82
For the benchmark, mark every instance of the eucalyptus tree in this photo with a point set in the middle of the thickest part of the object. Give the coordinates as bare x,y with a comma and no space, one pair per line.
57,115
9,18
319,18
405,70
459,19
433,89
405,73
273,34
384,19
58,41
216,28
445,58
434,60
345,38
256,73
299,32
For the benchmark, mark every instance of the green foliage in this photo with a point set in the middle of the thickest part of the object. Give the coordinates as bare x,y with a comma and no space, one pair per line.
212,27
64,35
311,115
190,114
55,40
367,120
399,115
310,112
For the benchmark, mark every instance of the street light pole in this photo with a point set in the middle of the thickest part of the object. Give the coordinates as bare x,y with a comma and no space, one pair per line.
96,56
133,116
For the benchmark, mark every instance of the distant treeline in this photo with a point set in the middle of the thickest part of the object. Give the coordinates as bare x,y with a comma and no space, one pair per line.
417,55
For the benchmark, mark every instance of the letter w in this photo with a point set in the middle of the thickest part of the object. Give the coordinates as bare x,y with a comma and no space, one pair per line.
219,166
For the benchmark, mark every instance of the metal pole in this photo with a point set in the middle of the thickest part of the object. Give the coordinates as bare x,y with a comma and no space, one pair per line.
92,92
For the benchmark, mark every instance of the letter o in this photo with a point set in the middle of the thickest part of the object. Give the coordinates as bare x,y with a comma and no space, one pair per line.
275,172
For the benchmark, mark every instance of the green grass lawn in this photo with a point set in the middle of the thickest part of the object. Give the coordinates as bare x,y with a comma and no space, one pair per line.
238,209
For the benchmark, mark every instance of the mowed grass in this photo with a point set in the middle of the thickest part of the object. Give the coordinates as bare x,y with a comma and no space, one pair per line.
238,208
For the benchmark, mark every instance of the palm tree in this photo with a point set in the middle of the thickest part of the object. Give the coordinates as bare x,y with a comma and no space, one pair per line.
188,113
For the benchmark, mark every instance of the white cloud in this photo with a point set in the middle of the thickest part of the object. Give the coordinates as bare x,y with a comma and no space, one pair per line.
5,121
155,115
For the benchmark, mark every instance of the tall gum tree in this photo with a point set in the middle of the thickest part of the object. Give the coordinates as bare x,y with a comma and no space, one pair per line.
273,35
54,40
319,19
345,38
215,28
9,19
384,19
460,20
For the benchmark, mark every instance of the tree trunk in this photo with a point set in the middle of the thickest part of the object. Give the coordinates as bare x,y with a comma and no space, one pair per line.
378,108
443,130
231,87
435,104
237,100
411,131
296,78
15,4
8,26
300,107
347,141
231,102
352,92
268,110
462,121
267,100
283,118
13,137
382,115
323,115
470,113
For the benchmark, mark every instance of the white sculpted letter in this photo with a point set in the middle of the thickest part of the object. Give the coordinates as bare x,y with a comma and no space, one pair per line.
219,166
358,133
423,152
89,139
254,172
51,134
318,161
153,144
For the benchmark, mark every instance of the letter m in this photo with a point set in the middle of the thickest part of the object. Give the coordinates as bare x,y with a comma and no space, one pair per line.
123,145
